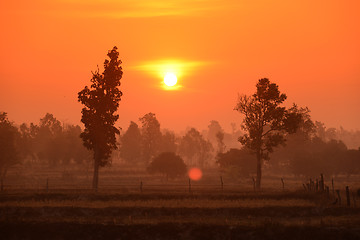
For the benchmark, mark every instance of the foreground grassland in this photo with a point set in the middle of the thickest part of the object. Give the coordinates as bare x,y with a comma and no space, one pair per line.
60,214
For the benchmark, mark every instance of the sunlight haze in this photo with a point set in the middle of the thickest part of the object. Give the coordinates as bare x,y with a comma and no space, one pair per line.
217,49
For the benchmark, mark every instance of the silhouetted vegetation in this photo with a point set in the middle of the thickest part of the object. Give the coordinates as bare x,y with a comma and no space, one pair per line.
307,152
130,144
237,162
8,149
51,143
151,136
350,138
265,122
195,149
168,142
101,102
168,164
330,158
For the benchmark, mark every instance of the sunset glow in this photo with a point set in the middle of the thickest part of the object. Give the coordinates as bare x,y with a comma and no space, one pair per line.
179,119
216,49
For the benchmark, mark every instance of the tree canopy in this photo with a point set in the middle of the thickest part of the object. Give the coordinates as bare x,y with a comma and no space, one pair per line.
169,164
8,145
51,143
101,101
130,144
151,136
240,160
195,148
266,121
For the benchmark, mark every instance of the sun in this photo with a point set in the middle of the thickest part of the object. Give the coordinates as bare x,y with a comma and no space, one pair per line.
170,79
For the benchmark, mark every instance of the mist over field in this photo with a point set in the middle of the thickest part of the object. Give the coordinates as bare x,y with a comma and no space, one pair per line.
47,191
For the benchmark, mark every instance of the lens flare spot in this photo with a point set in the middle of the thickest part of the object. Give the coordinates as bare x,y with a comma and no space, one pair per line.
195,174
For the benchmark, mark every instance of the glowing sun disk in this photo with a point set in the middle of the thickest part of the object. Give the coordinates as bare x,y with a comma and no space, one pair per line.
170,79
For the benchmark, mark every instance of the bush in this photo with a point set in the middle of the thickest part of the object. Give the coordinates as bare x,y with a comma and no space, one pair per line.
169,164
239,160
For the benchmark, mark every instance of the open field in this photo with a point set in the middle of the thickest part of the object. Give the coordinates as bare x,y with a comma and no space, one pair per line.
127,180
40,203
109,215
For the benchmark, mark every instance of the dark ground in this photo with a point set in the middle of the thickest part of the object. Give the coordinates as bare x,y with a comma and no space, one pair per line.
81,215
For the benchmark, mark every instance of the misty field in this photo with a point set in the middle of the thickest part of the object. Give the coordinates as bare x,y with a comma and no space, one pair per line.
52,208
110,215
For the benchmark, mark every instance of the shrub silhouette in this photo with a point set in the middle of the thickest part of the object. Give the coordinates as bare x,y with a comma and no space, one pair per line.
169,164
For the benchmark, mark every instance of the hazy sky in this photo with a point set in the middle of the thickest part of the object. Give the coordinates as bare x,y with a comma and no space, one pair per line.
218,48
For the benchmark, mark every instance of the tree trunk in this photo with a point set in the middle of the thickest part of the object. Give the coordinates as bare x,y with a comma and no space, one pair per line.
96,176
258,172
2,177
96,171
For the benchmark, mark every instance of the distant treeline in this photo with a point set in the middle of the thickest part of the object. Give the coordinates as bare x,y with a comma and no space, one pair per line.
312,149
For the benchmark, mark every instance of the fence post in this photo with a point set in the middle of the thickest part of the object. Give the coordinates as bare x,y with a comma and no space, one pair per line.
222,183
254,183
347,196
189,185
322,182
338,194
354,198
283,184
312,185
327,192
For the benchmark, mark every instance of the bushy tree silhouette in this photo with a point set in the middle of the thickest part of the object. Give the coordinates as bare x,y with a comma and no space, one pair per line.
169,164
49,137
101,102
130,146
266,122
220,142
151,136
195,148
240,160
51,142
168,142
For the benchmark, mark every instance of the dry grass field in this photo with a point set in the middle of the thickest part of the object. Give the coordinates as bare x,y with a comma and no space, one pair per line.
168,210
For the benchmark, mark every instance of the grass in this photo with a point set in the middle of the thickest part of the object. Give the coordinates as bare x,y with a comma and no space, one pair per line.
241,209
166,210
164,203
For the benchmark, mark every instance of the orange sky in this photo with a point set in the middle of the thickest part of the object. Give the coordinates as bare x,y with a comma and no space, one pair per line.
311,49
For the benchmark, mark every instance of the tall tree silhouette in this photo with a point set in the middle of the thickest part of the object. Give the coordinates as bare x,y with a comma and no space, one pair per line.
49,136
168,142
101,102
8,147
151,136
266,122
130,147
220,142
195,148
